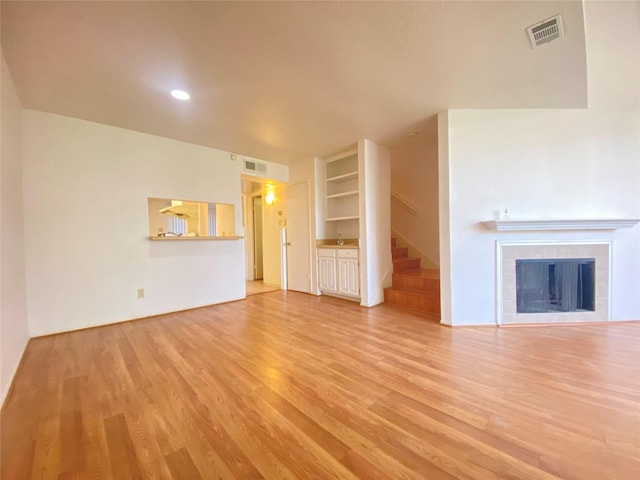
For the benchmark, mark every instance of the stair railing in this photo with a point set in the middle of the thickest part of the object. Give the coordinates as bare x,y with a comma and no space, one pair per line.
404,202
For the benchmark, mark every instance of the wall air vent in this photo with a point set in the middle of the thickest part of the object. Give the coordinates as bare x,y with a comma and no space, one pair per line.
254,167
545,31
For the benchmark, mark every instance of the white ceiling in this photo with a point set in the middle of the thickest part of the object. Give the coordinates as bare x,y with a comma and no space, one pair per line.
284,81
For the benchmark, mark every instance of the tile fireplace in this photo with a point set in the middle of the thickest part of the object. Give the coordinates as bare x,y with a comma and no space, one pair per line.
552,282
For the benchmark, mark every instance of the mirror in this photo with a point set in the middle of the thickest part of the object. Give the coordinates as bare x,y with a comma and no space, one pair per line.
186,218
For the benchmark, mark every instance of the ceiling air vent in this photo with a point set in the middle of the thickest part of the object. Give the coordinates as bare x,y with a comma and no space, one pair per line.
545,31
252,166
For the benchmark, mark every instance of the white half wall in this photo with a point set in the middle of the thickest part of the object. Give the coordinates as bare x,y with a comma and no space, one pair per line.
85,190
548,164
14,331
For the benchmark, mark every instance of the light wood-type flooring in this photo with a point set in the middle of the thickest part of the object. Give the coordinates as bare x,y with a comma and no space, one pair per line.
255,287
291,386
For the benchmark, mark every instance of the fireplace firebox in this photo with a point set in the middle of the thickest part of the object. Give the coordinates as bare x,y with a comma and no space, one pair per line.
555,285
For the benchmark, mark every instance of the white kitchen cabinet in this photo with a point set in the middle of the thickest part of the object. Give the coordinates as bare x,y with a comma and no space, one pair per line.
339,272
348,272
327,275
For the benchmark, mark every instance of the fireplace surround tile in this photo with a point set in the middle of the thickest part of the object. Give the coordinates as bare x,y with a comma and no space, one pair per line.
509,252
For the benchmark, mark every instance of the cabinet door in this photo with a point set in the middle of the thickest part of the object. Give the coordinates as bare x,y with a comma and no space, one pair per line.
348,277
327,274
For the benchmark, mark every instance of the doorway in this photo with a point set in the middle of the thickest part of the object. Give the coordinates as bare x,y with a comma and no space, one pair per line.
260,238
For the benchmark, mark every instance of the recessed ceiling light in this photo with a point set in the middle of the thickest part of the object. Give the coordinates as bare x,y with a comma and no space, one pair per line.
412,134
180,94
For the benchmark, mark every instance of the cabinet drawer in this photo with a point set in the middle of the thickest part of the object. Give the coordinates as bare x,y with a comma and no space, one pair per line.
348,253
326,252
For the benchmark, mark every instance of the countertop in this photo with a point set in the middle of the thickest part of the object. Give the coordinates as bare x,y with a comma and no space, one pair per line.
333,243
184,237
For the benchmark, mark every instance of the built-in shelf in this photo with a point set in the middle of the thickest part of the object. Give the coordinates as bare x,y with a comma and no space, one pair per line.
335,219
541,225
344,177
342,187
343,194
171,239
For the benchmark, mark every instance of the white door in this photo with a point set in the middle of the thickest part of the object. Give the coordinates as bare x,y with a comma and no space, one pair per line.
298,237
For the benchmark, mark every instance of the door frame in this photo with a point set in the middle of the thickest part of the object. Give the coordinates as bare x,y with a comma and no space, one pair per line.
254,217
250,236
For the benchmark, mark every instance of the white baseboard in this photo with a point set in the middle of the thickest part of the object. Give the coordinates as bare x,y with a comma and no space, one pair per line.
7,388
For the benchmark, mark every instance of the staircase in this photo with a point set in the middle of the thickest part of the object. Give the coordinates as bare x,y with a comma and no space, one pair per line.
413,288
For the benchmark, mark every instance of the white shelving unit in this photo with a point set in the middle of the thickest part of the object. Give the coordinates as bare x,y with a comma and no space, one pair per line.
337,219
343,178
341,212
345,194
342,192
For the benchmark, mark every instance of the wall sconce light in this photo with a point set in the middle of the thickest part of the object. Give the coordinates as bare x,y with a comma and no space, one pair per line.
270,198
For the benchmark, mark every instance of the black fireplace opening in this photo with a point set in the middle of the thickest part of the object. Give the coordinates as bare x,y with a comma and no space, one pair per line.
555,285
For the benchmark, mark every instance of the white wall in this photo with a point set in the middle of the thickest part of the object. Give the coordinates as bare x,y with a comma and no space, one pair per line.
14,332
549,164
414,178
375,222
86,188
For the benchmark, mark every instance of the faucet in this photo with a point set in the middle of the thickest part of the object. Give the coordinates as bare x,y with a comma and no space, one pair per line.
340,240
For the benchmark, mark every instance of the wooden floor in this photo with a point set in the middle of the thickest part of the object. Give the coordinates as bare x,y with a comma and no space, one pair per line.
255,287
292,386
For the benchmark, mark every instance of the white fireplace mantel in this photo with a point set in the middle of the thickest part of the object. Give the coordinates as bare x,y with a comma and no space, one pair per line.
506,225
